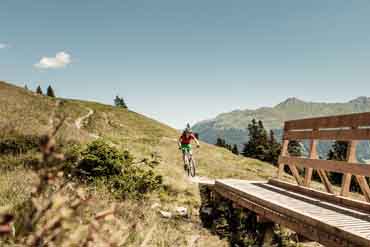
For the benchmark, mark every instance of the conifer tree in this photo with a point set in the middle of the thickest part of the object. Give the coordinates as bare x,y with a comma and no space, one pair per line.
262,134
249,149
257,145
338,152
294,148
39,90
235,150
120,102
274,149
25,87
50,92
220,142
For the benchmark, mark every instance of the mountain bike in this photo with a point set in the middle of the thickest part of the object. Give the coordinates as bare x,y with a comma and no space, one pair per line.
189,163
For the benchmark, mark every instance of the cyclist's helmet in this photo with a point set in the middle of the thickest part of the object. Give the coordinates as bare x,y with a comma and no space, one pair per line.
188,129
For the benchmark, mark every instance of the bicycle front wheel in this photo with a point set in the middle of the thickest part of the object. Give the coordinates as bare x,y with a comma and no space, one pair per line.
191,171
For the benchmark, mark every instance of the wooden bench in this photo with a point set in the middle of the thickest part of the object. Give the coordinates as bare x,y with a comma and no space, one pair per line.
351,128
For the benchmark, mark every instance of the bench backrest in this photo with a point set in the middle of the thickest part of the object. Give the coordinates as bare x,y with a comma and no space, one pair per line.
350,128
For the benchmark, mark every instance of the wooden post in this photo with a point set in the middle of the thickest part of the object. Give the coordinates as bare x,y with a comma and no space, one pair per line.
351,157
293,168
284,152
295,173
313,155
322,173
346,180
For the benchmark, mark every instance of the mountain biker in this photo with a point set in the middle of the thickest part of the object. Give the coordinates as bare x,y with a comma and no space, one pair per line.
185,141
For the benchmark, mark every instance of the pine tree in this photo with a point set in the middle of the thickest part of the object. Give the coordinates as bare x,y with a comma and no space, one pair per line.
120,102
338,152
50,92
294,148
257,145
250,149
25,87
274,149
235,150
39,90
262,134
220,142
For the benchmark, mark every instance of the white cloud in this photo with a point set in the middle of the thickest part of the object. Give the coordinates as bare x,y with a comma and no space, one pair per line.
61,60
4,46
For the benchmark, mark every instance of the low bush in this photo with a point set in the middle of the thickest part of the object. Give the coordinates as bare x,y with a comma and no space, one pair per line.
101,162
16,145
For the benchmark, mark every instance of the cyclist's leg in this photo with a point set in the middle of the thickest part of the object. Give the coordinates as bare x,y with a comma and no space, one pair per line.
183,155
184,158
184,148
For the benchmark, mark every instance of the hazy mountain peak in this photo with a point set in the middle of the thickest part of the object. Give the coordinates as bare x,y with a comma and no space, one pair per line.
232,126
290,101
361,100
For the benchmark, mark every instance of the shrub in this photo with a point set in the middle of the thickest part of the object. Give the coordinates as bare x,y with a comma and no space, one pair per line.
101,162
16,145
135,181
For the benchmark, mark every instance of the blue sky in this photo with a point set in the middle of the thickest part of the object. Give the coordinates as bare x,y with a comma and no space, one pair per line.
185,61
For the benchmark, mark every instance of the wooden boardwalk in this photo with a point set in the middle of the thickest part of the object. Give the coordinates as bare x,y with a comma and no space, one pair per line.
326,217
330,223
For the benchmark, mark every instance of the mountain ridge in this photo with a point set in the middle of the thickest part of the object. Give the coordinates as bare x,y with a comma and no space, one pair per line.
232,126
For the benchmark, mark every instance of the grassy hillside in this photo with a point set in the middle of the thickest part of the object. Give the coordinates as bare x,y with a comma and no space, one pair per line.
24,113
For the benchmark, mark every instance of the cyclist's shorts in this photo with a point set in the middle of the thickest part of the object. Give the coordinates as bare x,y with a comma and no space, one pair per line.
186,148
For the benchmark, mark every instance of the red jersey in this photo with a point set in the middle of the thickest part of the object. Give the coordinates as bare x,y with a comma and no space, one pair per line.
186,139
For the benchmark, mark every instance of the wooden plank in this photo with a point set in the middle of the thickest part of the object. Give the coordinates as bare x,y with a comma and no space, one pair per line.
295,173
342,201
313,155
306,219
324,209
325,180
309,232
262,219
328,165
339,135
350,120
208,183
284,152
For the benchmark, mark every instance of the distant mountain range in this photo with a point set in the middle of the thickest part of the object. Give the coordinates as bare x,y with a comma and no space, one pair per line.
232,126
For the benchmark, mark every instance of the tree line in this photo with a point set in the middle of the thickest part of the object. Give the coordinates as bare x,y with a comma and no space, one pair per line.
222,143
49,91
263,145
118,101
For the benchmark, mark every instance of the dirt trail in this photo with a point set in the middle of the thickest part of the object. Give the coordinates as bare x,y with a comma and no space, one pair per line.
51,119
176,158
202,179
80,121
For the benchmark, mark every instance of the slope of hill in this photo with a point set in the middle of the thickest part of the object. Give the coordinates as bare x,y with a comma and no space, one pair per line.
232,126
23,112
